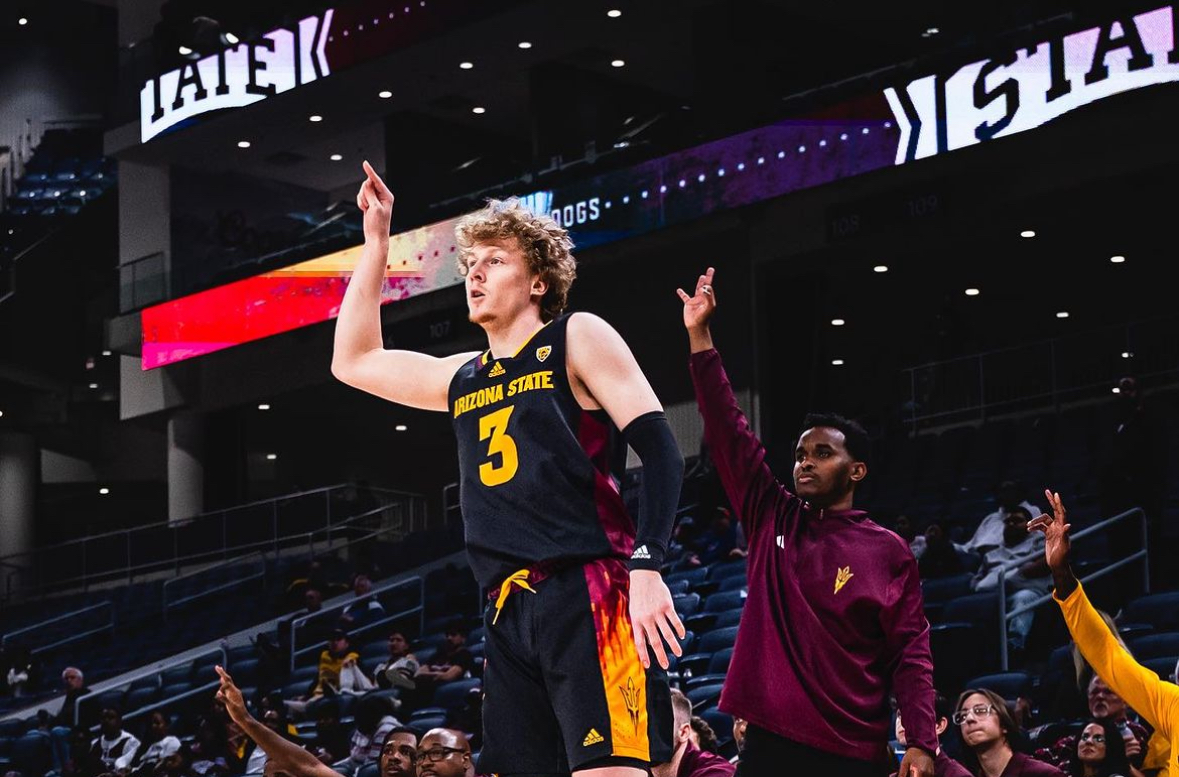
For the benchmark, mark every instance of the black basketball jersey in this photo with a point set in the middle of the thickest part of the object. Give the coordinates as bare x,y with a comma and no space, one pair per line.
535,476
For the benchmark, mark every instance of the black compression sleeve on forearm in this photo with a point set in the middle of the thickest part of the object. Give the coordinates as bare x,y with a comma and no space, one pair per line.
663,474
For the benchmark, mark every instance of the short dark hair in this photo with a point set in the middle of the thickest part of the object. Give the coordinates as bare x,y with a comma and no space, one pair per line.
400,730
855,436
941,708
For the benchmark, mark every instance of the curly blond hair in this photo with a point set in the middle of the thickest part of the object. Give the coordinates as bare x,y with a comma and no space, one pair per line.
545,243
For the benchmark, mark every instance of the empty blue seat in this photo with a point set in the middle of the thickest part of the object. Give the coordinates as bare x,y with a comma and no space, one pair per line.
1164,667
686,604
140,697
1009,685
704,695
1159,610
453,695
718,639
734,583
422,725
721,723
176,674
245,672
725,569
693,576
728,600
1155,645
31,754
727,618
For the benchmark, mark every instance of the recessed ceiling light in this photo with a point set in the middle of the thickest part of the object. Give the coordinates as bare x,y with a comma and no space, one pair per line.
93,385
1028,233
1127,355
104,491
264,406
401,427
880,268
617,63
466,65
478,109
384,94
336,157
315,117
22,21
1062,314
1117,259
972,292
184,51
243,144
232,39
930,32
837,362
271,456
837,322
106,353
524,44
1,413
1116,390
614,13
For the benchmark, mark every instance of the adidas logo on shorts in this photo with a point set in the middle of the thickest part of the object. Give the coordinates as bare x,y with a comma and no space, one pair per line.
641,552
592,738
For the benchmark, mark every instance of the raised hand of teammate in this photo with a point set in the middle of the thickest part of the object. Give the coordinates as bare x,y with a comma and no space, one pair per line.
229,695
376,202
698,310
653,617
1056,543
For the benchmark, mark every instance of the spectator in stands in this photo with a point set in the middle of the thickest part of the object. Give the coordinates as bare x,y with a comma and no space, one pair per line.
60,736
719,541
20,670
1133,471
374,721
235,739
993,739
365,609
943,765
444,752
939,557
398,670
332,742
274,720
277,656
397,753
150,759
179,764
907,531
989,534
1100,752
834,620
739,725
332,661
1104,706
113,749
469,718
452,661
703,737
211,756
1021,553
687,758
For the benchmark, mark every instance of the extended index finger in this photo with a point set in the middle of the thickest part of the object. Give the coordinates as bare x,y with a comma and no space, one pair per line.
225,678
376,179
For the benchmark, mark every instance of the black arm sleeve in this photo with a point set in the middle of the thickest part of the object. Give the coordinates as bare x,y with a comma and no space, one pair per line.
663,474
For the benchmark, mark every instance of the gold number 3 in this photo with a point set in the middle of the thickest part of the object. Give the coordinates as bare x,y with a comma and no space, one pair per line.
494,425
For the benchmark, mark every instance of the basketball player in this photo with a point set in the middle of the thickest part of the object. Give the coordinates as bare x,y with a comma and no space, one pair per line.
577,596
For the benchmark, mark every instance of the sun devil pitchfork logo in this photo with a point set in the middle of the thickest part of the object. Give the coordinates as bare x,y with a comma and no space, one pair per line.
630,695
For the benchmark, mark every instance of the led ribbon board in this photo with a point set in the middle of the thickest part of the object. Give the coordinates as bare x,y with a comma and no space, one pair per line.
282,60
1028,87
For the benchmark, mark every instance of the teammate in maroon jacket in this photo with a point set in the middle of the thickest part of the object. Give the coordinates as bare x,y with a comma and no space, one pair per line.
834,621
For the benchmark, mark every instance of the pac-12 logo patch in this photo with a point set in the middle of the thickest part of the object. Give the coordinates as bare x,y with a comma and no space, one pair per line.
543,352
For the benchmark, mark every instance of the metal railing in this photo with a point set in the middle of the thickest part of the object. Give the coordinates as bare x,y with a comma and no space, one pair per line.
419,609
144,281
157,672
205,591
121,555
1033,376
75,631
1142,555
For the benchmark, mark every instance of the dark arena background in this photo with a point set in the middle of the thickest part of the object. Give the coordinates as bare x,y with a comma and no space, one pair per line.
954,222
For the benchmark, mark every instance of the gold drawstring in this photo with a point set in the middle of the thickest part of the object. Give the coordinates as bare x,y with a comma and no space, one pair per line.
519,578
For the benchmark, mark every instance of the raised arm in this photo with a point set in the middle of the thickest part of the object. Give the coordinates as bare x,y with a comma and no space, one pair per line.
358,355
1150,697
737,454
286,755
600,359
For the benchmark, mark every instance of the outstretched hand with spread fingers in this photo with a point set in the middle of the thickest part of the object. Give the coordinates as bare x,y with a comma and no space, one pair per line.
699,307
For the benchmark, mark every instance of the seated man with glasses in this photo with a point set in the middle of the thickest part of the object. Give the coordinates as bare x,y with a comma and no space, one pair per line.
993,739
445,752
